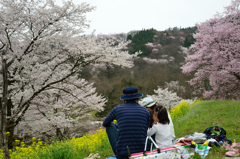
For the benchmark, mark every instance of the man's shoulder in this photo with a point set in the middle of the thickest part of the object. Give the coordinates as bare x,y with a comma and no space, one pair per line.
131,107
118,106
142,110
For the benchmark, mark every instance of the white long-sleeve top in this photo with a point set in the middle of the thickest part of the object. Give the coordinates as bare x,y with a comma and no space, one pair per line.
172,127
163,136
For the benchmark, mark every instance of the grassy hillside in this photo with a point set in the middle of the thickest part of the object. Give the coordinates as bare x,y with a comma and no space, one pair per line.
202,115
199,117
225,114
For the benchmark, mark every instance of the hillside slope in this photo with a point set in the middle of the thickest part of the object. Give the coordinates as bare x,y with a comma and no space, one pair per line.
225,114
161,62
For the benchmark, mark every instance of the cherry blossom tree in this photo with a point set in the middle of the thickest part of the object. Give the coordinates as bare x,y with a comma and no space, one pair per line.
165,97
155,50
150,45
215,62
155,61
181,39
175,87
43,51
171,37
184,50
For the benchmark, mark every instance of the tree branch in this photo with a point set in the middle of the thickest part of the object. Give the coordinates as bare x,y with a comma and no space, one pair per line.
9,41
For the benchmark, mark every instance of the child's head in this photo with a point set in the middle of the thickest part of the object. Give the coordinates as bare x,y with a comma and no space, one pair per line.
160,115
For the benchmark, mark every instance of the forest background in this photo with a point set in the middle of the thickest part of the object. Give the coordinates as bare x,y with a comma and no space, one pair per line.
159,65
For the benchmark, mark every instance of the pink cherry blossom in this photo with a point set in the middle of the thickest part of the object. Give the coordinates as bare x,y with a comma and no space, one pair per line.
215,61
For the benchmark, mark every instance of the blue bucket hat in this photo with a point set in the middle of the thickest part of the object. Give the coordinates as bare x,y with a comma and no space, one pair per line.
130,93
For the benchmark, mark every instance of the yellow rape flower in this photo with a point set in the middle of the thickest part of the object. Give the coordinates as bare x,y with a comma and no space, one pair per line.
22,144
115,121
34,139
17,142
7,134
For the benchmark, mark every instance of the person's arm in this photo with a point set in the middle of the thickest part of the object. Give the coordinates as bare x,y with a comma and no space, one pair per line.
172,127
107,121
152,130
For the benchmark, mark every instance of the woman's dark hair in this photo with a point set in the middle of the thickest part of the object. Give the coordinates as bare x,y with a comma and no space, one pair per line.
162,114
152,107
151,119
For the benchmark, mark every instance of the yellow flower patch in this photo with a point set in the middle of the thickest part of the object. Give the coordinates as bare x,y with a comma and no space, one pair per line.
89,142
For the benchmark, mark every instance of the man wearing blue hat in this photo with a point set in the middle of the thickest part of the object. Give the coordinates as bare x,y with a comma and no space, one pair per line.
129,135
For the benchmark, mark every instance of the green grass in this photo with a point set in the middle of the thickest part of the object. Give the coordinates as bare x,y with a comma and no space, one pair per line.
204,114
225,114
198,118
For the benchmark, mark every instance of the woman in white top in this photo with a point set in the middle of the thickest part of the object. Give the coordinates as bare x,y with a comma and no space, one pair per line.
162,129
150,104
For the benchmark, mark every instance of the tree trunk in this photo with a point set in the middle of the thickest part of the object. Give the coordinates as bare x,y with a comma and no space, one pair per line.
3,114
10,129
10,125
66,132
59,134
1,125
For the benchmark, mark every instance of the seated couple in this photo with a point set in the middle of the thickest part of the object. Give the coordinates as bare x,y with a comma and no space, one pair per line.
134,124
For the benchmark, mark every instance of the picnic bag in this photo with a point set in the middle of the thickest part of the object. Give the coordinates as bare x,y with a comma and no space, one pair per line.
166,153
217,133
